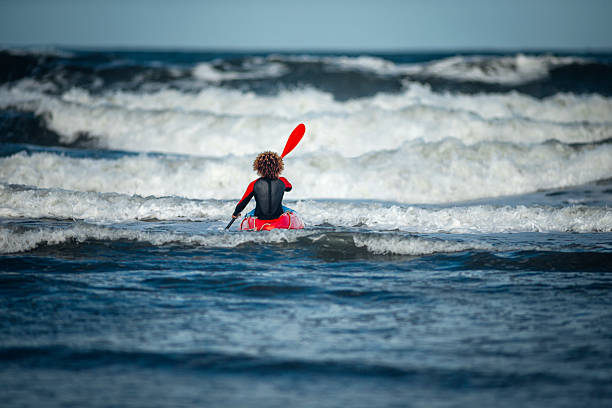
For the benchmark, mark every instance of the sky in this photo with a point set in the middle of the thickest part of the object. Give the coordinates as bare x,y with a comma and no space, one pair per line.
309,24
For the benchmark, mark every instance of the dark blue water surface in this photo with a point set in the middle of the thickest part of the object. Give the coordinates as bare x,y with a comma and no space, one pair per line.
121,323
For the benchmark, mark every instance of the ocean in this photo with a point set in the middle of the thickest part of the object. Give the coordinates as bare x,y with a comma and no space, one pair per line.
457,249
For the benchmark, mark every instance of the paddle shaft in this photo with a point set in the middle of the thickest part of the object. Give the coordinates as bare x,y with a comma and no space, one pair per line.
230,223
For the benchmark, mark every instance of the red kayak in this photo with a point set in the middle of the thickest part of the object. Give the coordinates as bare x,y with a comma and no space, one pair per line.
288,220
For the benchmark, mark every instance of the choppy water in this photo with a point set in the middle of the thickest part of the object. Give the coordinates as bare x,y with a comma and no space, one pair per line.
458,246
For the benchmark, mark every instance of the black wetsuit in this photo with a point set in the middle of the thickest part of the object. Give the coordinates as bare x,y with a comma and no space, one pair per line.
268,196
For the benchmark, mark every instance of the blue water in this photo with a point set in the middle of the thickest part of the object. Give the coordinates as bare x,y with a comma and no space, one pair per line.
114,295
105,323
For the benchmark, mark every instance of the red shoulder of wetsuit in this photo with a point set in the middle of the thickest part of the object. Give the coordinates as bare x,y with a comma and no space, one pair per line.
248,194
288,185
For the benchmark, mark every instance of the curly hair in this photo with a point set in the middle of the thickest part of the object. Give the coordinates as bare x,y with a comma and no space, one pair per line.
268,164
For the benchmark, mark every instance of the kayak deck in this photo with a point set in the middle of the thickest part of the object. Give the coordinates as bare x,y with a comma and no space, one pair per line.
288,220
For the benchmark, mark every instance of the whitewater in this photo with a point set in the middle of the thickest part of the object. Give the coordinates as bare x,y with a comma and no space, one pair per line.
457,247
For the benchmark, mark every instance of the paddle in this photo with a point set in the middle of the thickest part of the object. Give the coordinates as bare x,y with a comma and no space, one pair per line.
294,139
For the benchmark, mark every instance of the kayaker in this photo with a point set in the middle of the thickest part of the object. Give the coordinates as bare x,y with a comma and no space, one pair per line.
267,189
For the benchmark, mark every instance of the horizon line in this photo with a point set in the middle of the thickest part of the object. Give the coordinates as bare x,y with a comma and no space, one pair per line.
327,50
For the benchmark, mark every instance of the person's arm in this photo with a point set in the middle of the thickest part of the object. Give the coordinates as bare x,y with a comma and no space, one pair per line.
288,185
248,194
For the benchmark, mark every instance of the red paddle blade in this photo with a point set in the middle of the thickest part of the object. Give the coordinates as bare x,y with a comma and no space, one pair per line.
294,139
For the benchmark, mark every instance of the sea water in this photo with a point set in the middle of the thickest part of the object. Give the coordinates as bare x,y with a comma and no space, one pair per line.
457,250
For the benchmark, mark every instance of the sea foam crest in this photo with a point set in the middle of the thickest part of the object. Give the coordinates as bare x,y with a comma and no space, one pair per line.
16,238
458,219
505,70
446,171
43,51
216,121
562,108
254,68
19,240
29,202
510,70
412,246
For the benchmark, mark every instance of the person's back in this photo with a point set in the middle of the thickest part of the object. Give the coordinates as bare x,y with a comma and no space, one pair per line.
269,198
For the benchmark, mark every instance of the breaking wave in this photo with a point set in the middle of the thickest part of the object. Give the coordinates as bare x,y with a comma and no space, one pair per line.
29,203
417,172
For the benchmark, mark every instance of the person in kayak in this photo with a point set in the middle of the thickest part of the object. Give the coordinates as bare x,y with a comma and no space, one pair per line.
268,189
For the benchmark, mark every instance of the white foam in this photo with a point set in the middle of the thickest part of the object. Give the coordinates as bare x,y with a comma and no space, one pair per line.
417,172
368,63
505,70
15,240
47,51
448,171
29,202
561,108
412,246
566,109
458,219
510,70
215,122
255,68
